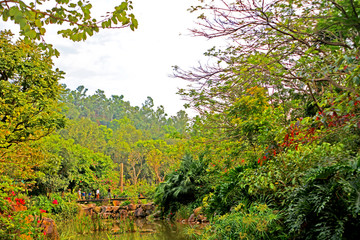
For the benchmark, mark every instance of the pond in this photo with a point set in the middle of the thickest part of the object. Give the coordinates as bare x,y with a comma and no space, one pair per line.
83,229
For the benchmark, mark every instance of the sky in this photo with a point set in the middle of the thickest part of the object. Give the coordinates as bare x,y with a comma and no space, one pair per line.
135,64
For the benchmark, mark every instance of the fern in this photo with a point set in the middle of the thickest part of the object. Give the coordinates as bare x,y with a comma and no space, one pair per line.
181,186
327,206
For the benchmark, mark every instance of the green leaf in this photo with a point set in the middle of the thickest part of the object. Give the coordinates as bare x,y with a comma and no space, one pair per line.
13,11
114,19
356,80
38,23
32,34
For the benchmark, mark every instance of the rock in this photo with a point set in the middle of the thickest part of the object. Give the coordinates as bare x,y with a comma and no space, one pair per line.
124,207
148,212
139,212
92,205
131,206
97,209
83,208
108,209
123,213
197,211
88,211
157,214
147,231
201,218
50,229
115,209
103,209
148,206
191,218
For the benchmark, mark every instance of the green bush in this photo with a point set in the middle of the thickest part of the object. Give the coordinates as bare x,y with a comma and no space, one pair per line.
227,193
184,212
62,208
257,221
184,186
327,206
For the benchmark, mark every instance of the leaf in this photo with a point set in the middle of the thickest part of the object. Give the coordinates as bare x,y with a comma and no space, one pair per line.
356,80
13,11
32,34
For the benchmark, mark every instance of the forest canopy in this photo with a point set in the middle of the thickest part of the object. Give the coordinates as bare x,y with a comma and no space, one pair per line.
272,154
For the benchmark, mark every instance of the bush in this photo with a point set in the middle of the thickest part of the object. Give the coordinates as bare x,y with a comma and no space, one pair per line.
62,208
257,221
327,206
227,193
17,218
183,186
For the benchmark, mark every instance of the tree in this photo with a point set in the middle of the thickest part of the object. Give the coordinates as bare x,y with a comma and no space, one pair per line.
156,157
307,47
29,90
86,133
70,165
280,101
76,17
124,137
182,186
19,161
135,161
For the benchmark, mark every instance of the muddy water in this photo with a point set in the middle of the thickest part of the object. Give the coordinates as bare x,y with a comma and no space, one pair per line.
126,230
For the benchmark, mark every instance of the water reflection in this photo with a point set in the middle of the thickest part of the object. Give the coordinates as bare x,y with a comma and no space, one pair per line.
126,229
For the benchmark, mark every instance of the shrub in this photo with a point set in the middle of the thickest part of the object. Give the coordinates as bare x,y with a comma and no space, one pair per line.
327,206
257,221
62,208
183,186
227,193
17,219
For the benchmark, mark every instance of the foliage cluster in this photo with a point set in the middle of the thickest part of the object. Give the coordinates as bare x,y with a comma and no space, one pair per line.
183,186
273,153
18,218
246,221
101,132
278,118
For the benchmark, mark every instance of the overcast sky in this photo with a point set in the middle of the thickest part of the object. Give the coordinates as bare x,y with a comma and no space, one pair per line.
136,64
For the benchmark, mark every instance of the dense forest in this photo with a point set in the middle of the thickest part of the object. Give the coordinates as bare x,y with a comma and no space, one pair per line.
272,154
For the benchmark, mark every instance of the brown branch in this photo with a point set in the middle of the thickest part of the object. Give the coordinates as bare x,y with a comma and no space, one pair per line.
313,97
335,84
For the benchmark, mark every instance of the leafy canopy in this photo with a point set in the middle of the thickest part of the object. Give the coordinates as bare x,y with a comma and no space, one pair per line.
29,90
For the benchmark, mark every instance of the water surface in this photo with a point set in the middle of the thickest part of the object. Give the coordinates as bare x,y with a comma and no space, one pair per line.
128,230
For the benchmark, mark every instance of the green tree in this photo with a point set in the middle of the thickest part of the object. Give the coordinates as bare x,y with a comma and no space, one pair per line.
136,162
71,166
281,99
29,90
86,133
